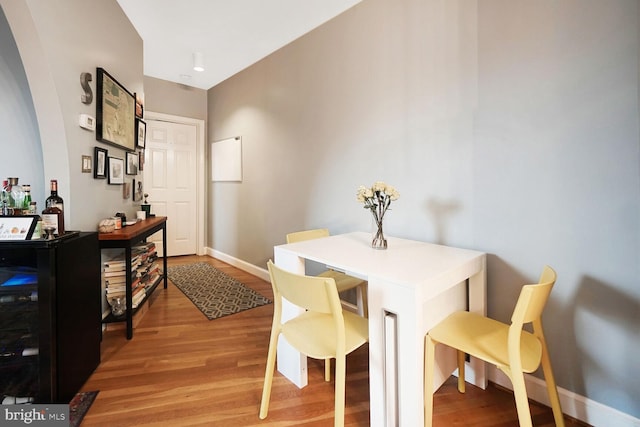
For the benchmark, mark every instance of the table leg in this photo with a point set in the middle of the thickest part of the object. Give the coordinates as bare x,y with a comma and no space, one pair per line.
164,253
128,292
290,363
399,318
476,371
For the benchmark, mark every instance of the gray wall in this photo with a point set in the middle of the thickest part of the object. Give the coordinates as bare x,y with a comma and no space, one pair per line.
58,41
166,97
20,143
508,127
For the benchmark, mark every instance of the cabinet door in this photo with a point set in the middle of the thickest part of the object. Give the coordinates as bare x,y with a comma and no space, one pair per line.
78,316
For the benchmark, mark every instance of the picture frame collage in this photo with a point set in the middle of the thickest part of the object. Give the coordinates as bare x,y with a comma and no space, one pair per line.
119,123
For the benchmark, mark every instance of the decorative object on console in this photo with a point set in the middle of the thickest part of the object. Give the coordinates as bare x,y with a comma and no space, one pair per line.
107,225
146,206
377,199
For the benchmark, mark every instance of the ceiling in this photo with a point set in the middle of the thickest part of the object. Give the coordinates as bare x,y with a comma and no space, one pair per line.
230,34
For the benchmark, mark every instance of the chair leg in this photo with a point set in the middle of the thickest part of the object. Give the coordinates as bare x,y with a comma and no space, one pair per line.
522,401
327,370
361,298
461,369
341,368
268,375
429,359
552,388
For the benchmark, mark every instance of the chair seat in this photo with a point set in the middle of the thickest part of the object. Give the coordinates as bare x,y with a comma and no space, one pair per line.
343,281
486,339
322,327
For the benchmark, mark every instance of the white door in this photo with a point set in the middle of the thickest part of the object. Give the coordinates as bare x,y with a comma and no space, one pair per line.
170,180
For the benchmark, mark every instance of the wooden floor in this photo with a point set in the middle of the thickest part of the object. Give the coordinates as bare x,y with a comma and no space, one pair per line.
181,369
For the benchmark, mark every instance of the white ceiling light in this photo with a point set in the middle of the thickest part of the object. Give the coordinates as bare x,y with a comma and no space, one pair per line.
198,61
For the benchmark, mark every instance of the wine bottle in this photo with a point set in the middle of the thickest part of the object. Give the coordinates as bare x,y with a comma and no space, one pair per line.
53,214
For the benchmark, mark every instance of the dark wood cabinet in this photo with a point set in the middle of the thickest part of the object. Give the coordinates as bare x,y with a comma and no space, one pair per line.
50,320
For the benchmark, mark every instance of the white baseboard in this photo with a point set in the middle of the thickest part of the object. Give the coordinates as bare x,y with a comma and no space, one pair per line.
242,265
574,405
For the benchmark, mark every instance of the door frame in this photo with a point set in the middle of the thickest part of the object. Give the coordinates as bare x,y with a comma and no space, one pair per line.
201,231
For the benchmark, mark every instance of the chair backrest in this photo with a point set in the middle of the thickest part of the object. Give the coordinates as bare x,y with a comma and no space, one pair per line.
312,293
300,236
533,298
531,302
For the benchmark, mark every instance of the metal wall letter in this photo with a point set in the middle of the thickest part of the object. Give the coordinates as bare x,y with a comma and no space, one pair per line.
87,97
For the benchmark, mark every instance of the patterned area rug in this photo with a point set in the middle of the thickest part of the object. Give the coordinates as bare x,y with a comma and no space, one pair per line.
212,291
79,406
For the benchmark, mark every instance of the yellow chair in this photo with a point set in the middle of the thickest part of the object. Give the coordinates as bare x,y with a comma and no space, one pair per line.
344,282
323,331
508,347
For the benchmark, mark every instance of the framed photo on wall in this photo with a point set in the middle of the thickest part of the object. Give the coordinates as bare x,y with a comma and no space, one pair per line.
115,112
137,190
116,170
99,163
139,106
132,163
126,190
141,132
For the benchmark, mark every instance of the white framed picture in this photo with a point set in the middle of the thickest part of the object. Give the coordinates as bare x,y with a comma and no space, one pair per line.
116,170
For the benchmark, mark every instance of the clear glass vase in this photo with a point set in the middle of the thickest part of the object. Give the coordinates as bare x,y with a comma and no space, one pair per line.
378,241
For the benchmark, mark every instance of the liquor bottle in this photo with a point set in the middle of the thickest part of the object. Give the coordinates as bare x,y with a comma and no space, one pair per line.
54,199
27,198
4,197
53,213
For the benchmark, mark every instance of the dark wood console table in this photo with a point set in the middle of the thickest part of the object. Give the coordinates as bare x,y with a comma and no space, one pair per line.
125,238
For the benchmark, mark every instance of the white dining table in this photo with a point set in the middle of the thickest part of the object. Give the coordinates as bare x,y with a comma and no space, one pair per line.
412,285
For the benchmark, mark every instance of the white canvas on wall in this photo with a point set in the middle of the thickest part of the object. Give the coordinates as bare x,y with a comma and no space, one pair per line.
226,160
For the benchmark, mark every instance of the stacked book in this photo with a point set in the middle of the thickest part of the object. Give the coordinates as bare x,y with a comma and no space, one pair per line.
144,274
115,280
147,273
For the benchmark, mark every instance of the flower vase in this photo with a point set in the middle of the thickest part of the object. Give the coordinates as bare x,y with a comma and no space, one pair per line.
378,241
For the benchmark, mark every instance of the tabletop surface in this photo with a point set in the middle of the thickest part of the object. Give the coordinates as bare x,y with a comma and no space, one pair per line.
130,231
404,262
